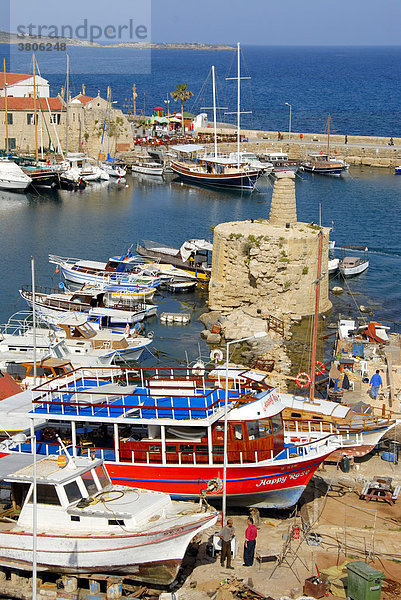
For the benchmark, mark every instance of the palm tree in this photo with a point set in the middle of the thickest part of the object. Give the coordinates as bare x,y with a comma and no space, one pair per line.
181,93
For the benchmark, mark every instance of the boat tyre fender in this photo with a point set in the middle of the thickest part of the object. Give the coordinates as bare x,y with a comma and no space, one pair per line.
320,368
216,355
303,380
344,464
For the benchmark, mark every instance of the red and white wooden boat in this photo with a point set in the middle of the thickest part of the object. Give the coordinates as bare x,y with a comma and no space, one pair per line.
166,433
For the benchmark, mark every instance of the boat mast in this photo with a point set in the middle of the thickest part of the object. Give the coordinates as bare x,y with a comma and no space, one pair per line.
34,107
34,319
238,100
5,104
328,135
214,112
67,98
316,317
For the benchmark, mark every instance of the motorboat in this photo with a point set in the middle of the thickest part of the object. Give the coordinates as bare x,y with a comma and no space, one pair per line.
182,286
134,423
82,523
333,265
397,170
253,161
145,165
79,166
100,307
279,162
113,167
354,265
193,256
12,177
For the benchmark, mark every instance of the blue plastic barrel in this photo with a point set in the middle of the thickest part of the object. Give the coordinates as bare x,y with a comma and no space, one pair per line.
389,456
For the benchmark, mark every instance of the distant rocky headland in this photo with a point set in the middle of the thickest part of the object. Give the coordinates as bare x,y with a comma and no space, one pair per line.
13,38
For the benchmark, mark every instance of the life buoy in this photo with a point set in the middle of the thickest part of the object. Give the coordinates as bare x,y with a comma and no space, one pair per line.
299,380
216,355
321,151
320,368
49,434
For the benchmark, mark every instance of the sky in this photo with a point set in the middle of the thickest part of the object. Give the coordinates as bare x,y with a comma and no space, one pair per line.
253,22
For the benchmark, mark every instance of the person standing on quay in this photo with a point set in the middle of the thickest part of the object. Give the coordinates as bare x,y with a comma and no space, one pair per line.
375,382
226,534
250,543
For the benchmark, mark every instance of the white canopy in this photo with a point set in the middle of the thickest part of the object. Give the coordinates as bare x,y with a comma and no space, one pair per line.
187,148
191,246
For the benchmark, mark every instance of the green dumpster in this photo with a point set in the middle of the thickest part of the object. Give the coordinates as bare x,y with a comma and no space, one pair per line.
364,582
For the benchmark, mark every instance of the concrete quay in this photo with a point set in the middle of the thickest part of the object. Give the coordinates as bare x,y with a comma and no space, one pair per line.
371,151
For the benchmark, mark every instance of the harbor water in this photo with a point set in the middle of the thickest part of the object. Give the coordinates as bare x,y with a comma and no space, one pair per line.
106,218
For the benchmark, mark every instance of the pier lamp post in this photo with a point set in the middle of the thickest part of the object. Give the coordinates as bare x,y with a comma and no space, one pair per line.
255,336
289,124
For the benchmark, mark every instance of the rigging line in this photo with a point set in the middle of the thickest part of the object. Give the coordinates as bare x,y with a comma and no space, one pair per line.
198,98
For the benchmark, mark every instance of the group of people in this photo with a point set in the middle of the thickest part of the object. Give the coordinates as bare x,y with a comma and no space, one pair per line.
227,533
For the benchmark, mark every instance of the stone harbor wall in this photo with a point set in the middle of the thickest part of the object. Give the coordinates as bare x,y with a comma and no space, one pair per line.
269,265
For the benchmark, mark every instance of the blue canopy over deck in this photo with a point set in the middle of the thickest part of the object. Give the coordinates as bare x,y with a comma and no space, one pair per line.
93,401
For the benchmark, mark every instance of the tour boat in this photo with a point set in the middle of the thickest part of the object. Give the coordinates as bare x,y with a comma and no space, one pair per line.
218,172
356,432
354,265
81,523
193,257
100,308
12,177
165,431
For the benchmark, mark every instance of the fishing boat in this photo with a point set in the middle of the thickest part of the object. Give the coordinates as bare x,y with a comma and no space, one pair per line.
354,265
124,271
12,177
146,165
164,430
182,286
100,307
193,256
82,523
324,163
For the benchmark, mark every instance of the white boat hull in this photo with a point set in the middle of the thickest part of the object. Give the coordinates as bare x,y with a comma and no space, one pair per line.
351,271
147,170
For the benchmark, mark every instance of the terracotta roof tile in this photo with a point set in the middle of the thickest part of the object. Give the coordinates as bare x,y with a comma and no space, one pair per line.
83,99
28,104
13,78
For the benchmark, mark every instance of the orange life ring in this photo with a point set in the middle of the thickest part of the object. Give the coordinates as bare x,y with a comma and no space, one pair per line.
322,368
302,376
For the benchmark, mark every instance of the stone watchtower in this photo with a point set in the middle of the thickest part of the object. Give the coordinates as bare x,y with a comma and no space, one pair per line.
271,264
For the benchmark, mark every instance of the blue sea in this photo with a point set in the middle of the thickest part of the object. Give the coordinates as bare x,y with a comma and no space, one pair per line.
357,86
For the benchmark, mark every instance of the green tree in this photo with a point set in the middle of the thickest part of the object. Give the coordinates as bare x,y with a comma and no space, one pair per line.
181,93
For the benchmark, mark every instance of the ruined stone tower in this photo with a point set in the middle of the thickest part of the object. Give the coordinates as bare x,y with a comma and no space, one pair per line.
270,264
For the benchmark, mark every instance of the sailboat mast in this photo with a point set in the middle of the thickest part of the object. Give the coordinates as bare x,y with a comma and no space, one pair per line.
67,101
214,112
5,103
238,100
34,107
316,317
328,135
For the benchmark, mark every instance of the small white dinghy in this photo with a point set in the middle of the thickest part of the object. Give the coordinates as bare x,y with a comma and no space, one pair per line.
85,524
354,265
